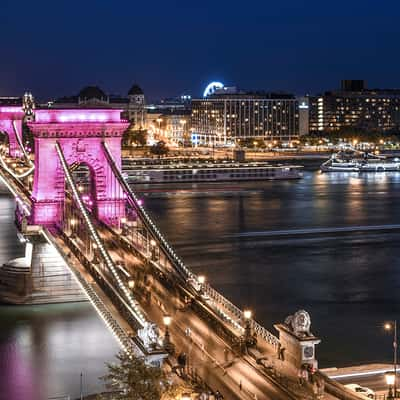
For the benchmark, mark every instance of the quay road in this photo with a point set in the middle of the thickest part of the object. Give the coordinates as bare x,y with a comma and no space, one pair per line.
236,376
368,375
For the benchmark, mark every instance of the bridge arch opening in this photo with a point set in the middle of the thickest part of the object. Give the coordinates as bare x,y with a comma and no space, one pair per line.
85,179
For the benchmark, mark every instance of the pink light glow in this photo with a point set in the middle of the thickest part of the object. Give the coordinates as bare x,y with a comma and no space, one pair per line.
77,115
140,202
9,109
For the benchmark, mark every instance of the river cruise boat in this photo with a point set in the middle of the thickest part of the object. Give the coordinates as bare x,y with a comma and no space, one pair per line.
356,162
208,172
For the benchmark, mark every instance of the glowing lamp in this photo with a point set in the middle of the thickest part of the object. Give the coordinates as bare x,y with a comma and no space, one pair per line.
131,284
186,396
247,314
167,320
152,242
387,326
123,220
390,377
201,279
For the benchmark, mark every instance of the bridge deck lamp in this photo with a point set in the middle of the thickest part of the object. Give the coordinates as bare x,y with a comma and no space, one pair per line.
153,249
168,346
248,337
201,279
392,326
247,315
131,284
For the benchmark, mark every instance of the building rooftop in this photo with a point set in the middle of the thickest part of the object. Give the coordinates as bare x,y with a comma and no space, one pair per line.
135,90
92,92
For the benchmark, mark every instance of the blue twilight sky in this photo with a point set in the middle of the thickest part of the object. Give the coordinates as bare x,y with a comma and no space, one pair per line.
54,47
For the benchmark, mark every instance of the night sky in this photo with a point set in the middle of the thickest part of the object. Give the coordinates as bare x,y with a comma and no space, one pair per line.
54,48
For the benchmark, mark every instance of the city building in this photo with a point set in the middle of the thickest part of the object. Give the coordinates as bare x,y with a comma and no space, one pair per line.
355,106
170,120
226,115
93,97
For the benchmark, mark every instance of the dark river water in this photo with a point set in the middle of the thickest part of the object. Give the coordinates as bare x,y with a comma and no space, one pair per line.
348,281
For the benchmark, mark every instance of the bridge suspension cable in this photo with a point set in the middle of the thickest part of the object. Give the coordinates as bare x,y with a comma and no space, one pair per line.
149,224
232,313
135,309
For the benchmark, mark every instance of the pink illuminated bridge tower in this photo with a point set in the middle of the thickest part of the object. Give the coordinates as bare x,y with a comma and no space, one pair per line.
80,134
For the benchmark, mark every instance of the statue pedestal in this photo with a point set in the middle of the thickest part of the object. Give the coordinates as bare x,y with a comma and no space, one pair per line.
299,347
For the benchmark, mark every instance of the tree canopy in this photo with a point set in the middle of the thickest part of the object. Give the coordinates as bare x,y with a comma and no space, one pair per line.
133,379
159,149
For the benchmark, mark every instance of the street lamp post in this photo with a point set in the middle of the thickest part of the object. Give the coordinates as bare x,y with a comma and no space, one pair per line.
168,345
389,326
390,380
159,120
201,279
248,335
153,249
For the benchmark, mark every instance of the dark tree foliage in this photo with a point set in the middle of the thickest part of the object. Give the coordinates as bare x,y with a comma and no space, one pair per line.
134,136
159,149
133,379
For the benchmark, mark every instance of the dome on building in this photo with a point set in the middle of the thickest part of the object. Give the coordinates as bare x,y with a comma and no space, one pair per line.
92,92
135,90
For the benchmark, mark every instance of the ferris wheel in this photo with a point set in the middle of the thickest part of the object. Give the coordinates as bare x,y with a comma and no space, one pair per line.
212,87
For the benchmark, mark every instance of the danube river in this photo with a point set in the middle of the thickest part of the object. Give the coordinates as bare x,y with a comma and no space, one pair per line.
274,247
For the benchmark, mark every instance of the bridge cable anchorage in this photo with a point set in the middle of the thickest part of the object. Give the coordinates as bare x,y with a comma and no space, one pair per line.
179,266
137,312
20,143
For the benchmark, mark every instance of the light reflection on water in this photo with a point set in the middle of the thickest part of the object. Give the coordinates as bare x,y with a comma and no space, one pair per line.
43,349
349,283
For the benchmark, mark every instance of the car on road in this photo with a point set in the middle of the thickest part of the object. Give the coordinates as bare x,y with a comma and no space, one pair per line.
364,392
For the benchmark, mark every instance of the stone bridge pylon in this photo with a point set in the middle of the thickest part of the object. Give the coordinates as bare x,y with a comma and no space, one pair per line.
80,134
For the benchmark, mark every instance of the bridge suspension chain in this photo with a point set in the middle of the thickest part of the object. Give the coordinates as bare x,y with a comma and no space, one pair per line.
232,314
138,314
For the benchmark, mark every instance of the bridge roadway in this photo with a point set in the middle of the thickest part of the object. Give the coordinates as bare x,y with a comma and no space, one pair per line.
222,370
220,365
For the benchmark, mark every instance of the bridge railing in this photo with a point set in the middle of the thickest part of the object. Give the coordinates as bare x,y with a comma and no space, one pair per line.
233,315
236,312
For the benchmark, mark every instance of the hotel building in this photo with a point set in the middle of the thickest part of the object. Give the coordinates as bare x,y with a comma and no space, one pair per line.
227,115
356,107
